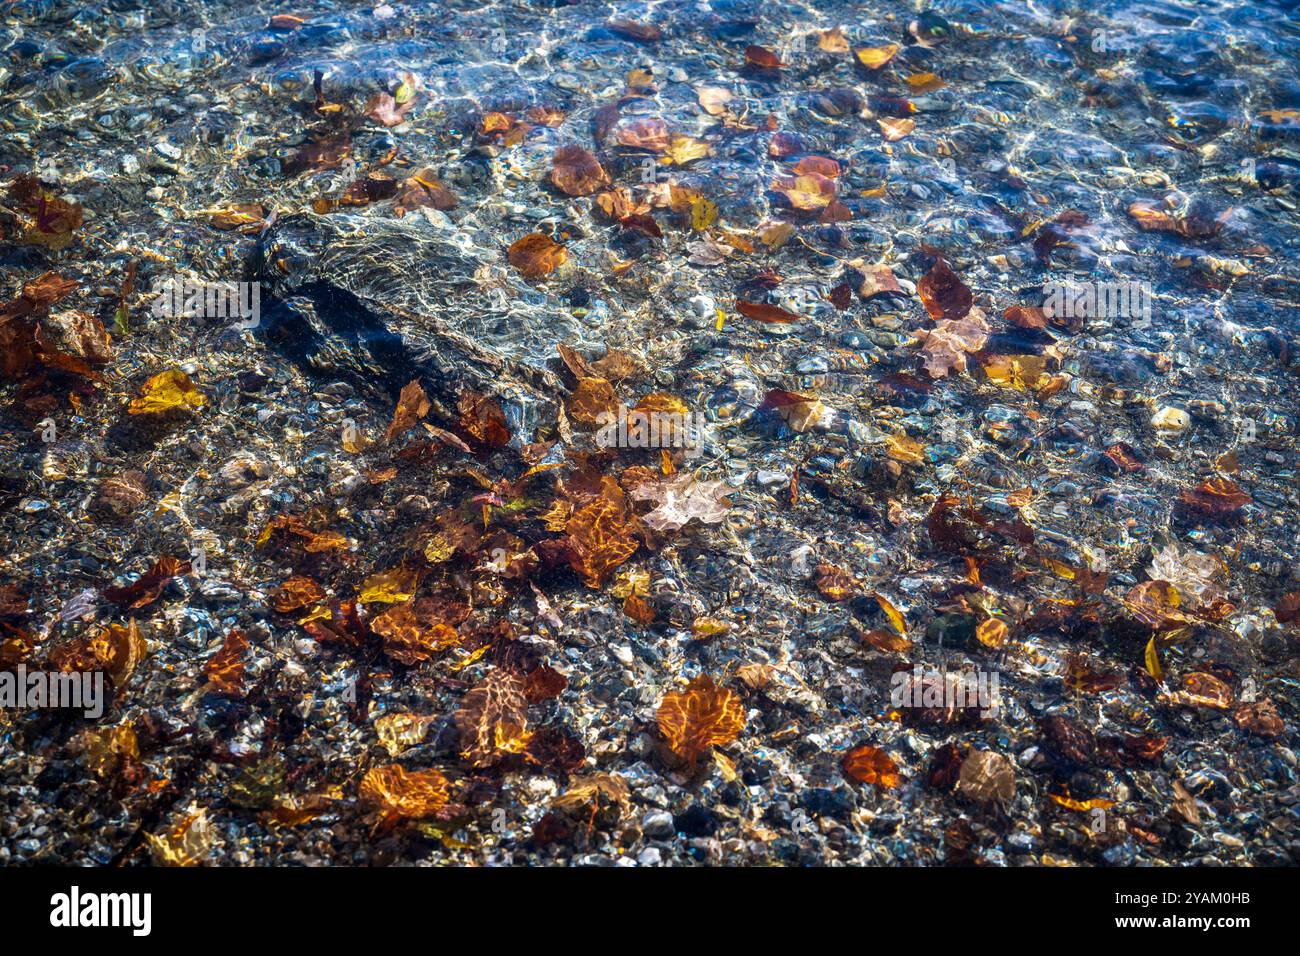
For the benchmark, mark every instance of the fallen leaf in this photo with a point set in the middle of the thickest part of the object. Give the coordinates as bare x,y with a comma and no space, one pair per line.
225,669
700,717
412,405
165,391
868,764
401,795
186,844
874,57
536,255
577,172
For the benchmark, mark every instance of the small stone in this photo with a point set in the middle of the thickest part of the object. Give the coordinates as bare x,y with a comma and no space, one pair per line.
658,825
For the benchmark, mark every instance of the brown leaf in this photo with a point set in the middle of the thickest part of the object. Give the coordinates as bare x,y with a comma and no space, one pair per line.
639,610
225,669
833,41
834,583
987,777
761,58
149,586
877,279
412,405
1260,718
423,189
483,420
762,312
943,294
641,32
577,172
536,255
1215,500
116,649
50,221
492,719
648,133
1288,608
1026,317
409,635
544,683
600,535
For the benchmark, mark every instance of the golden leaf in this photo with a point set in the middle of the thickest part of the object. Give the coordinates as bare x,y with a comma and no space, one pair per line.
185,844
895,616
397,732
400,795
1096,803
685,149
1016,371
992,632
706,628
704,214
702,716
810,191
924,82
165,391
103,751
388,587
1152,658
904,450
408,639
874,57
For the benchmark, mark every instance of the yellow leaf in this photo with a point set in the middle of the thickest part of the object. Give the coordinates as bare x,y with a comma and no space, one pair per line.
1097,803
685,149
895,616
726,766
925,82
1153,661
185,844
904,450
704,628
874,57
388,587
1017,371
470,659
397,732
704,213
164,391
992,632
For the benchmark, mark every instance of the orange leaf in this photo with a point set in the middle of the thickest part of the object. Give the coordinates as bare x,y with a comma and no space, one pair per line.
702,716
536,255
868,764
